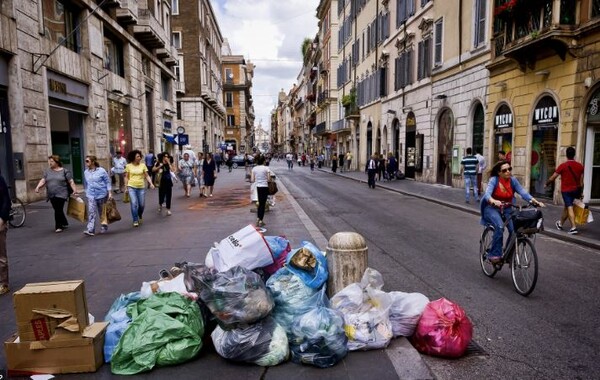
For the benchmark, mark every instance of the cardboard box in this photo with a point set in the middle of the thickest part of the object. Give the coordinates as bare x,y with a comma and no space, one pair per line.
80,354
49,309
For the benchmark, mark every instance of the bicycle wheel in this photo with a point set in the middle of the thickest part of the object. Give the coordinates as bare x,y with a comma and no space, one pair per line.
524,267
485,244
17,213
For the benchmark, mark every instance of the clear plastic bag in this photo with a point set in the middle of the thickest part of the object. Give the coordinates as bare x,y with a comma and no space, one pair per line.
318,337
405,312
309,263
264,343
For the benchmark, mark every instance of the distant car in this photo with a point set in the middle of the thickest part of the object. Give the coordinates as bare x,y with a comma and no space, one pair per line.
239,160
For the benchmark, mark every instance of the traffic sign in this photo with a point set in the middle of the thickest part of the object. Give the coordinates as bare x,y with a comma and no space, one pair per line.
182,139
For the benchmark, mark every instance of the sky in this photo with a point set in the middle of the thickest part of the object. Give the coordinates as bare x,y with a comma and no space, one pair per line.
269,33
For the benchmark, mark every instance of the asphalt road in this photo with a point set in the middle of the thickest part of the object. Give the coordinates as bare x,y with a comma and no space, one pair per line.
424,247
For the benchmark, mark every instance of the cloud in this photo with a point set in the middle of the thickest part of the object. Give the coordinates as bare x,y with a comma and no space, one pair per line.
269,33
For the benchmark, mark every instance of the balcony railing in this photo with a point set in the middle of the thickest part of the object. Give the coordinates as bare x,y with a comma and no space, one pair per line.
338,125
321,128
149,31
323,97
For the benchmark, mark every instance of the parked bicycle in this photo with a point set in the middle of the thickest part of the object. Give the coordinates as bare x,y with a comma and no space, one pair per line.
518,251
16,217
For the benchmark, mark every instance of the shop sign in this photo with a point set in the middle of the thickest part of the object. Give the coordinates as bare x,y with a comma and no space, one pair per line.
66,89
593,110
546,112
503,118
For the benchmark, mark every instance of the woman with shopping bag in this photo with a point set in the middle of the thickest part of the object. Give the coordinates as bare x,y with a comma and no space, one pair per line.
135,174
261,176
97,192
164,181
58,182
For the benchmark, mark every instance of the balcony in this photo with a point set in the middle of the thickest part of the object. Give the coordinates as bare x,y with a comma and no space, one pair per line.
321,128
340,126
323,97
149,31
127,13
526,30
180,87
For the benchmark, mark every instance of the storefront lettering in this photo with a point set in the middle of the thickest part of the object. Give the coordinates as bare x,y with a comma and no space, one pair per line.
545,115
504,120
57,86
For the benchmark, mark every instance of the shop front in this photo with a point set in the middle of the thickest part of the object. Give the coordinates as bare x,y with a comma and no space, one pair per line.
591,188
503,132
68,103
411,145
543,146
119,128
6,154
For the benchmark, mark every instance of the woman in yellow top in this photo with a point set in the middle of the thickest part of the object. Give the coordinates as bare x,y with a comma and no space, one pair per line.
135,173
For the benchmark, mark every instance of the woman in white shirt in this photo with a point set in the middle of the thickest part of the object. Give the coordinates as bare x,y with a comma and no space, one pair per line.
261,175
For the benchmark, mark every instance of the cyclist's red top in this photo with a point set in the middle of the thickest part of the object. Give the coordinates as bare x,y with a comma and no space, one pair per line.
570,174
504,191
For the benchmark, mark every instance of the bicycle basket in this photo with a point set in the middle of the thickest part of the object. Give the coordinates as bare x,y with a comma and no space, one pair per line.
528,221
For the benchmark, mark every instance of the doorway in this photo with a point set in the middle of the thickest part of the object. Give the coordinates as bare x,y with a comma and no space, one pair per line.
369,140
396,141
67,140
445,139
5,141
411,145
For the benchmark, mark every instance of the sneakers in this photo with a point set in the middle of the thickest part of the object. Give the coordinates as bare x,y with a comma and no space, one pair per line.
4,289
159,209
573,231
103,229
141,220
558,225
168,212
136,224
88,233
58,230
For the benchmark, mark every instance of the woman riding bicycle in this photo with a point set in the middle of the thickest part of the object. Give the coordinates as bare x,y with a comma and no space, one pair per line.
501,189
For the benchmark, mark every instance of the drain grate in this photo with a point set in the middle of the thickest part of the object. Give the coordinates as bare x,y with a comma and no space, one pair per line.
474,349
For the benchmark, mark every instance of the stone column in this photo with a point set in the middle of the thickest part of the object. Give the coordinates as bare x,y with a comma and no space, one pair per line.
347,255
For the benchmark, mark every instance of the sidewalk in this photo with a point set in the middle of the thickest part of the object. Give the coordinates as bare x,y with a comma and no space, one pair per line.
589,235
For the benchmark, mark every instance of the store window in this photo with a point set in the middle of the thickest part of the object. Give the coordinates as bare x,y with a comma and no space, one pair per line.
61,22
120,137
543,145
478,126
503,128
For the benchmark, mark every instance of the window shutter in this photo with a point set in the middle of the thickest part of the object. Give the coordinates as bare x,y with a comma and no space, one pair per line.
439,27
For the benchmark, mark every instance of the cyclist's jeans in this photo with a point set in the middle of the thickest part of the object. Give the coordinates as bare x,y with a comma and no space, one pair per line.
137,202
471,180
491,216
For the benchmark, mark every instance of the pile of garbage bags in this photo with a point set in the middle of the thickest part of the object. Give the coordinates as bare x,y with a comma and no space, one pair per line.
263,302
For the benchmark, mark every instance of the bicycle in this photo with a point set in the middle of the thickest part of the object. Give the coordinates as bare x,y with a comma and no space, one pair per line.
519,249
17,214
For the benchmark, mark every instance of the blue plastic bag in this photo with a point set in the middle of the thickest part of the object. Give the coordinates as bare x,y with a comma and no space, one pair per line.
312,277
119,320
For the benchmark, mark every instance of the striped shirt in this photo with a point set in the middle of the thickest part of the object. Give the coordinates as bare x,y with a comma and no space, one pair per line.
470,164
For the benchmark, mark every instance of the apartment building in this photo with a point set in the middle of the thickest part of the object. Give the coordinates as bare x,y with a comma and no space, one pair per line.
544,90
238,74
82,77
200,108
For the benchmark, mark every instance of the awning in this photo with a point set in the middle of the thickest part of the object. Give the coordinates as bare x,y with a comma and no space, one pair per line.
170,138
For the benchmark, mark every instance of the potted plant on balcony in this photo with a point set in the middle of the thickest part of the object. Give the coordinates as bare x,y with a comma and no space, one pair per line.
505,8
349,102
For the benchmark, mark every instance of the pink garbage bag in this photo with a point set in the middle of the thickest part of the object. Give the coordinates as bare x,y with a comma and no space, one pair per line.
443,330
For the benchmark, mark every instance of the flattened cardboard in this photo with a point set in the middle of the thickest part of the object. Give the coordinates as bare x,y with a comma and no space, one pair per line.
46,309
80,354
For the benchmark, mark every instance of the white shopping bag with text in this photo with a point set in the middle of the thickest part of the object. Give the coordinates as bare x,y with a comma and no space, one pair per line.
246,248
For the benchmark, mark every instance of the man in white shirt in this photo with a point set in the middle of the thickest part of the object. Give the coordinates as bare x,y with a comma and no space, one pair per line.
371,170
290,160
480,169
118,168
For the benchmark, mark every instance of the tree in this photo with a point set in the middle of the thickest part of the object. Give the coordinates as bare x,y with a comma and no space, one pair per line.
305,47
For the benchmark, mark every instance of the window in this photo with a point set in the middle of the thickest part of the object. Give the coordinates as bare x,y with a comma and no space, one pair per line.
165,86
424,64
439,27
61,23
479,27
231,120
178,70
595,8
146,68
424,2
179,113
229,99
176,39
175,7
113,54
404,67
229,75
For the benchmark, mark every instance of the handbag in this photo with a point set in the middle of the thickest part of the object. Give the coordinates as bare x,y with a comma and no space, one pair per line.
69,189
158,177
110,213
272,187
126,197
582,213
76,209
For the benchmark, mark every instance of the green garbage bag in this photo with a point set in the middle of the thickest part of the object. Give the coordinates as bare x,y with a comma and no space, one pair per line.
166,329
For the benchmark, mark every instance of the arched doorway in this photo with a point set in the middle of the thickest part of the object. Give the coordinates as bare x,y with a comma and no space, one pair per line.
543,146
395,142
478,126
591,188
445,139
369,140
386,143
411,147
503,129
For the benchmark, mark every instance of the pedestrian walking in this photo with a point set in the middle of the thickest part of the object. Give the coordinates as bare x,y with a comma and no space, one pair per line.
149,160
392,166
201,185
371,170
97,191
312,162
380,167
187,173
469,168
320,160
348,160
571,186
218,161
4,215
118,170
334,163
57,181
341,160
229,162
303,159
164,178
261,176
208,173
482,166
135,174
501,188
290,161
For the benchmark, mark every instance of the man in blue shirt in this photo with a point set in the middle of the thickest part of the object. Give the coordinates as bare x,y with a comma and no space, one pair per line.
150,159
470,164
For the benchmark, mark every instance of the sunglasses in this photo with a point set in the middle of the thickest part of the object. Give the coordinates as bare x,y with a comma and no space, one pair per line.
509,169
87,161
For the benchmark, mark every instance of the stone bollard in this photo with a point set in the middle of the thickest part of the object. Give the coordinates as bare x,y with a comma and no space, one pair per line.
347,254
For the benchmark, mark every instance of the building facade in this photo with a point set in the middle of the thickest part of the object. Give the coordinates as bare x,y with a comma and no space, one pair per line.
82,77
